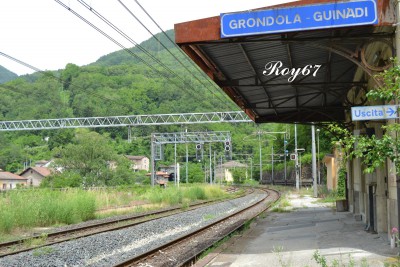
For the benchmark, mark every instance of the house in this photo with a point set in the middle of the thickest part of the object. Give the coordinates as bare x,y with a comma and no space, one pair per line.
35,175
224,171
139,162
9,180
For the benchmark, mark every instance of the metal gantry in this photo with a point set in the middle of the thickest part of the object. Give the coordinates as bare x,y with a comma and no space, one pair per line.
158,139
125,121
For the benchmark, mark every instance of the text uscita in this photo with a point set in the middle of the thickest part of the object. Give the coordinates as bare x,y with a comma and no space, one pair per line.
275,68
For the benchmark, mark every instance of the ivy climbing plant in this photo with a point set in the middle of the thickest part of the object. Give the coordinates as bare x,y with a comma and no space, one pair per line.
371,150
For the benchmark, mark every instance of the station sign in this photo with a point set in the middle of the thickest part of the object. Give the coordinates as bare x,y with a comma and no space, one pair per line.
300,18
366,113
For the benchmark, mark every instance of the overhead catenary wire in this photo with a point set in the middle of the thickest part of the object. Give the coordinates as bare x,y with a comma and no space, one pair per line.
180,50
126,37
49,74
166,48
132,53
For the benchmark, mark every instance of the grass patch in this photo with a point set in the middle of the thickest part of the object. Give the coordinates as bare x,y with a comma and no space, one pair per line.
328,196
208,217
36,241
184,194
44,207
42,251
283,205
22,210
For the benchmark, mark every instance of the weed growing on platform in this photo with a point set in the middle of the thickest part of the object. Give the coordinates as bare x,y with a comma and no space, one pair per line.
322,261
282,205
278,251
395,261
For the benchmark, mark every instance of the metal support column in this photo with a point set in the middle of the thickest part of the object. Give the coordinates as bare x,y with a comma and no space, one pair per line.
129,134
211,176
272,161
259,146
297,159
187,164
314,162
175,170
152,162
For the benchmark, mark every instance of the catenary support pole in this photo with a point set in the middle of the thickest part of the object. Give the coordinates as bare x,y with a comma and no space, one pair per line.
314,161
297,159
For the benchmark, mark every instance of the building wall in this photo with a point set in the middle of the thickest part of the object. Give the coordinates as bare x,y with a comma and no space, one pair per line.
11,184
372,194
34,179
141,164
330,173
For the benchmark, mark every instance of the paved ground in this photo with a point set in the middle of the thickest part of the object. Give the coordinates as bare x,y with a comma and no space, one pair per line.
291,239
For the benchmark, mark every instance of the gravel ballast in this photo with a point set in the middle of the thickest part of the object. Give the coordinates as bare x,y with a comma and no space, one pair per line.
109,248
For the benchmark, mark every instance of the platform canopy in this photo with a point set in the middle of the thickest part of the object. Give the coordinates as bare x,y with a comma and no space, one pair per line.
255,68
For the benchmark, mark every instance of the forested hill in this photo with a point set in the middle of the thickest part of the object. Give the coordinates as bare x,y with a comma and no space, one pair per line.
120,83
6,75
117,84
151,45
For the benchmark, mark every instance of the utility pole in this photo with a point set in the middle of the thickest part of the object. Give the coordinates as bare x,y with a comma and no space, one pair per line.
215,168
153,171
187,159
272,161
211,176
187,164
285,155
175,169
297,158
314,162
259,146
318,163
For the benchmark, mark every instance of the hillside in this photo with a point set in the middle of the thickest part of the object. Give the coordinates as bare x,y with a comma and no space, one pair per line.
6,75
120,84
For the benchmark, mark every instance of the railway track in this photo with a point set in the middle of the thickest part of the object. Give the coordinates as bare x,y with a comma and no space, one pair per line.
46,239
185,249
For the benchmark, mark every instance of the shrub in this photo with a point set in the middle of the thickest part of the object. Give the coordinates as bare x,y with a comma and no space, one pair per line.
341,188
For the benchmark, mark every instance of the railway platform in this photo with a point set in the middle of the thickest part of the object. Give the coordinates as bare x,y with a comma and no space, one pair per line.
292,238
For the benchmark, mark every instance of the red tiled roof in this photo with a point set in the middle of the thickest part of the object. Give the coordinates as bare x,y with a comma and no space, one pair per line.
40,170
10,176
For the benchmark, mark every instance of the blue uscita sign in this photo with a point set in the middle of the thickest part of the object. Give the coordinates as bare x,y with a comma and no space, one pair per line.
364,113
330,15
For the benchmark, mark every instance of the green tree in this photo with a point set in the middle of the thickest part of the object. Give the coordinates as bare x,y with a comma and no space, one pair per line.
91,156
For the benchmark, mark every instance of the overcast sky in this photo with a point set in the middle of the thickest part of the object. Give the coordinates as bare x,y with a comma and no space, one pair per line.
48,36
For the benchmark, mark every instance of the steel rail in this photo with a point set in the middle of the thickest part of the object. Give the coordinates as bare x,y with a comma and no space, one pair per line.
141,257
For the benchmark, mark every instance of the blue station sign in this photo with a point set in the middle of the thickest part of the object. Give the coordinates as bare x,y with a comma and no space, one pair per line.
365,113
289,19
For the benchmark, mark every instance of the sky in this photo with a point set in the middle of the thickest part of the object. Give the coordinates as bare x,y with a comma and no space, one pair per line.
47,36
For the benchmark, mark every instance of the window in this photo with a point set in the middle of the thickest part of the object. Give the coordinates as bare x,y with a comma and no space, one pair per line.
4,186
10,186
